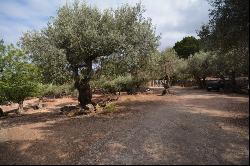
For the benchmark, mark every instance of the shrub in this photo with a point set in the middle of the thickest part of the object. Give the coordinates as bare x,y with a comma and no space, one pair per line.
111,107
56,91
18,77
109,86
17,92
121,83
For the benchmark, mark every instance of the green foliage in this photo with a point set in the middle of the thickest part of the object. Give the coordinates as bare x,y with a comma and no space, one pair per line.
56,91
111,85
187,46
17,92
107,86
167,65
84,33
18,77
198,64
2,98
111,107
126,83
201,65
129,67
51,61
181,70
228,27
227,33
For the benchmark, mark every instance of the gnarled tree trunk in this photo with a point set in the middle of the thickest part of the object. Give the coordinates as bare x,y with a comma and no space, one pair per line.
85,94
82,79
166,85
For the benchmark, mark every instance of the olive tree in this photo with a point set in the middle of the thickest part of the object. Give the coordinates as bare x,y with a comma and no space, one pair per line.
85,33
49,59
133,57
166,65
200,66
227,33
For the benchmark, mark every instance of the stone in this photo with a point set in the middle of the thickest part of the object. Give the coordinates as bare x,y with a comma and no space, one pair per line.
75,113
40,105
36,106
98,108
68,108
72,111
149,92
90,107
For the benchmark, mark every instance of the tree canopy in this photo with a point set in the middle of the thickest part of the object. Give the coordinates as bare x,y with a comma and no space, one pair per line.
228,27
49,59
84,33
228,34
18,77
187,46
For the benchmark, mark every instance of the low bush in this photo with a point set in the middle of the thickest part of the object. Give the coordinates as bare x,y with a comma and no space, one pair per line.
111,107
119,84
56,91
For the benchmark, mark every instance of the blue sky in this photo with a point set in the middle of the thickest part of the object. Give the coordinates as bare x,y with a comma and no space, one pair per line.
174,19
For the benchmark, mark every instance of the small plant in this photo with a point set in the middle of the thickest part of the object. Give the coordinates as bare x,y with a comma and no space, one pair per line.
111,107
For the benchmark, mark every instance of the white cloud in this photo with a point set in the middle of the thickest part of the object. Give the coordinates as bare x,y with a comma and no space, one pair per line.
169,38
173,19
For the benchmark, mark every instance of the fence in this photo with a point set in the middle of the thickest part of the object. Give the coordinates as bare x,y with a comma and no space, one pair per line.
183,83
157,83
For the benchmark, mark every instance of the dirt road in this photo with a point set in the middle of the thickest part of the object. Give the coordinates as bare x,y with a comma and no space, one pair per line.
190,127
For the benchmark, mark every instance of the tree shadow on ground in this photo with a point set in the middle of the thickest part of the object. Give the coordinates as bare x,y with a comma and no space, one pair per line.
158,132
30,119
197,91
100,140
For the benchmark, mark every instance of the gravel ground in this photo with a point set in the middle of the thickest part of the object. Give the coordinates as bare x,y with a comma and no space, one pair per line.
190,127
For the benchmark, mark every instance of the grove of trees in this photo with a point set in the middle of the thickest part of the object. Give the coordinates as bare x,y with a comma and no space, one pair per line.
116,50
227,34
